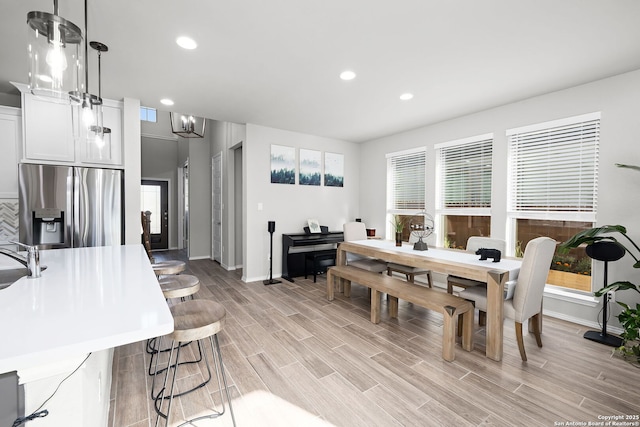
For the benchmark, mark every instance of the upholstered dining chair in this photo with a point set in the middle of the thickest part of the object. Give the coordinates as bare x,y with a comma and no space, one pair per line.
357,231
411,272
473,244
528,291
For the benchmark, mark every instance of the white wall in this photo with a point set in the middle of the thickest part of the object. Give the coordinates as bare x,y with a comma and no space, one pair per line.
289,205
132,155
227,141
237,204
618,98
161,128
10,100
199,198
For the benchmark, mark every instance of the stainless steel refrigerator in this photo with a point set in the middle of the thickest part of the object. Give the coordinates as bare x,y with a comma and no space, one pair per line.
70,207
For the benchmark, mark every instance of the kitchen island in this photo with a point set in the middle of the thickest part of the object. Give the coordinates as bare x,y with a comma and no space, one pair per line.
88,300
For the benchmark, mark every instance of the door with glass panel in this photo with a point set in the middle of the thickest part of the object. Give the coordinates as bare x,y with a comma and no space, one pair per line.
155,199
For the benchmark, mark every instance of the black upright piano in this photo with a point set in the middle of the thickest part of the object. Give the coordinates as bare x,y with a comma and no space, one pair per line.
293,262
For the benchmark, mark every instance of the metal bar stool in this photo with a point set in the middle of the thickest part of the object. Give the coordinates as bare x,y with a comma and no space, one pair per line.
180,286
194,320
164,268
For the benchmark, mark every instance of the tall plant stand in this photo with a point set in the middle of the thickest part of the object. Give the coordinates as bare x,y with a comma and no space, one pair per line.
605,251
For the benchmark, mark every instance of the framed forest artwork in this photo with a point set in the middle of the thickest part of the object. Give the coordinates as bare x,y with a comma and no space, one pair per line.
310,167
283,164
333,170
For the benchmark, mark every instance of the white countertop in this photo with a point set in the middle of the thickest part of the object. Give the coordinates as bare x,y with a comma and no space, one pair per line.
88,299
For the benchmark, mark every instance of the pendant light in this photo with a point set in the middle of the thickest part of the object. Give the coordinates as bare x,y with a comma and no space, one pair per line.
55,47
87,108
102,134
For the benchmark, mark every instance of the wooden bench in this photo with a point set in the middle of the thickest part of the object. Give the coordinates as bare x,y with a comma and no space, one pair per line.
450,306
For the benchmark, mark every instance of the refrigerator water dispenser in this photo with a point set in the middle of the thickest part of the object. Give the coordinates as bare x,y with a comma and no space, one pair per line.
48,226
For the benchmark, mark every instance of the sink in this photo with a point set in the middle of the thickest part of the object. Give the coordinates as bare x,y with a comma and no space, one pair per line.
9,276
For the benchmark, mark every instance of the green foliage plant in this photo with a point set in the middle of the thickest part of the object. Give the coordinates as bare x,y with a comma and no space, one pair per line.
398,223
519,251
630,316
593,235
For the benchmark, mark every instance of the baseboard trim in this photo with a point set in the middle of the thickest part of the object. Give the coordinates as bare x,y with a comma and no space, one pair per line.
579,321
258,278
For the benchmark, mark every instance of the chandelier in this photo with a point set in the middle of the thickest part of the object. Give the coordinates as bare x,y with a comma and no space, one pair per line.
187,126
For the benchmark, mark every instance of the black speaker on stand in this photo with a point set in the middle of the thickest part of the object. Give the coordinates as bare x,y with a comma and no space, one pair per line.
605,251
271,227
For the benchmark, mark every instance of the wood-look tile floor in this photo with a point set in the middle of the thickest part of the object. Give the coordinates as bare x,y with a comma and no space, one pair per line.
295,359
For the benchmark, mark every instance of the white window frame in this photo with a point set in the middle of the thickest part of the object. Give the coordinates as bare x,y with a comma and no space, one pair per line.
391,210
580,214
145,117
441,210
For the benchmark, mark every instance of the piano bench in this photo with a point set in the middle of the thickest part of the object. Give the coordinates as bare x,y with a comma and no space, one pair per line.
316,257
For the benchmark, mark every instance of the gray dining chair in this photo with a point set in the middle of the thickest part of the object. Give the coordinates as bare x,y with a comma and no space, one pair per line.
411,272
354,231
527,293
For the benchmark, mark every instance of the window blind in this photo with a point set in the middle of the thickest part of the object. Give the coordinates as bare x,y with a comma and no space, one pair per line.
407,180
465,174
555,169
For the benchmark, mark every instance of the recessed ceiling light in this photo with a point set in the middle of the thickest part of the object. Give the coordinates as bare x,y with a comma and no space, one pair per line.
166,101
347,75
406,96
186,42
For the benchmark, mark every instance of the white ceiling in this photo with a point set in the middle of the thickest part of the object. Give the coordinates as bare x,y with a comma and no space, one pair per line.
276,63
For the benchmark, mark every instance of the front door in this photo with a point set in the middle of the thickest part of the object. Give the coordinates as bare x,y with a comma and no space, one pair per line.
155,198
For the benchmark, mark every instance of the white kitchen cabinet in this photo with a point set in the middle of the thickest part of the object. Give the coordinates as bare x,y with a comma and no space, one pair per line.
49,136
48,131
10,140
85,394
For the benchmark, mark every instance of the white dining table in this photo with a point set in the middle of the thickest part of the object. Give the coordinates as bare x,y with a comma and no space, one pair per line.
451,262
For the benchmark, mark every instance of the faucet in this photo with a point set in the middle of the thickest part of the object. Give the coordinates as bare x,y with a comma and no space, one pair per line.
32,261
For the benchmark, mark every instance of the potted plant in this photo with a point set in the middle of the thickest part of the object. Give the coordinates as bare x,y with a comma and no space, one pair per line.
630,316
629,319
398,226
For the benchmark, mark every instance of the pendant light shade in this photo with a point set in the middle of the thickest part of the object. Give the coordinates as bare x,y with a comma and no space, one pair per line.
86,116
55,49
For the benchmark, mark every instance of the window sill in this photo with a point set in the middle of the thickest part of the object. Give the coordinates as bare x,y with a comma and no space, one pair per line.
558,293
